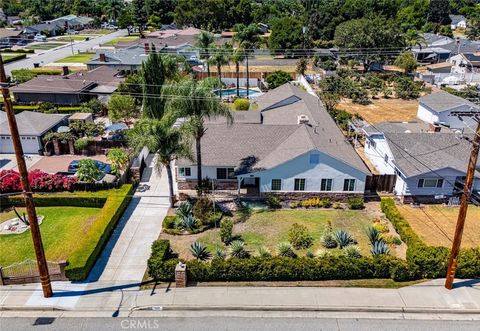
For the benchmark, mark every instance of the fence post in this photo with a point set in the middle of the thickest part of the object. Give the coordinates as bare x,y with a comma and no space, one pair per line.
1,277
62,264
181,275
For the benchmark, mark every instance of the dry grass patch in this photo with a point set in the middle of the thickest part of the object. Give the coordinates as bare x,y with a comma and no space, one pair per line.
383,110
435,224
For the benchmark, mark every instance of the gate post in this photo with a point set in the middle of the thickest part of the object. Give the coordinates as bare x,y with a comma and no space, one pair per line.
1,277
181,275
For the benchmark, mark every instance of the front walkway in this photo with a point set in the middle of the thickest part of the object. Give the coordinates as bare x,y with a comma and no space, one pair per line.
124,259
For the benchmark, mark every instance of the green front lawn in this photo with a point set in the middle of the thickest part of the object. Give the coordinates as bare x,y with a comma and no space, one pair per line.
64,231
77,58
121,39
45,46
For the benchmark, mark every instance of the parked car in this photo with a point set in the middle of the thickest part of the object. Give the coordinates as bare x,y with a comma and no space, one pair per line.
40,37
103,167
71,32
22,42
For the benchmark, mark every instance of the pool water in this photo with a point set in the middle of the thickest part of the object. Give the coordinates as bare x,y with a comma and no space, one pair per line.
242,91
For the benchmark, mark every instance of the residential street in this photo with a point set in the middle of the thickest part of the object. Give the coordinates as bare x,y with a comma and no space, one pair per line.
60,53
229,323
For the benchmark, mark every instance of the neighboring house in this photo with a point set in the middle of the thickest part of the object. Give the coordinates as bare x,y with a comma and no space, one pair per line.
436,108
9,36
290,147
73,22
440,48
126,59
430,167
49,29
70,89
32,127
465,63
458,22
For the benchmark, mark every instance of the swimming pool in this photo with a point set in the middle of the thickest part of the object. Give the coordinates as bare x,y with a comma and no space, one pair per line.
242,92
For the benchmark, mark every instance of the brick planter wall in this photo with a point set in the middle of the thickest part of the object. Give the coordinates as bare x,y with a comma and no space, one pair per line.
425,199
297,196
219,185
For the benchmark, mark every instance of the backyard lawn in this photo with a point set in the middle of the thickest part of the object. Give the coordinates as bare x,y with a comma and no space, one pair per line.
435,224
63,231
77,58
121,39
268,228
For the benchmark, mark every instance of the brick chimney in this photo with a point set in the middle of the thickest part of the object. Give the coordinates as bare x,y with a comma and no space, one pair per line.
146,47
65,71
102,57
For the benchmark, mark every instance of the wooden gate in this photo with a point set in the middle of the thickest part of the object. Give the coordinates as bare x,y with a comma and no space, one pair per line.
380,183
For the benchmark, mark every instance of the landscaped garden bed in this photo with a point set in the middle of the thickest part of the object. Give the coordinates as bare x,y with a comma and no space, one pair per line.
76,227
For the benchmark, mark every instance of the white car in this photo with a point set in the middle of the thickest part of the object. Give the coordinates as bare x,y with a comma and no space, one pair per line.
40,37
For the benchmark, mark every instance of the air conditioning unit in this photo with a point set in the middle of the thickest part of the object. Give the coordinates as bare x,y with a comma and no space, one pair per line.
302,119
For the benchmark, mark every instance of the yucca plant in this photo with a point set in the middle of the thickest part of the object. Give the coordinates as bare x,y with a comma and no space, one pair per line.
379,247
285,249
373,234
352,251
219,254
188,223
343,238
199,251
264,252
237,249
184,210
328,241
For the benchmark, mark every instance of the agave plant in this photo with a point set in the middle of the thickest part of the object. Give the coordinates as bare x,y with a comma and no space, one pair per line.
343,238
199,251
379,247
188,223
264,252
328,241
219,254
373,234
237,249
286,250
184,210
352,251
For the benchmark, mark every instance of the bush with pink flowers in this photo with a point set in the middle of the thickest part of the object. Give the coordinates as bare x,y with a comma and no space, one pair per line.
39,181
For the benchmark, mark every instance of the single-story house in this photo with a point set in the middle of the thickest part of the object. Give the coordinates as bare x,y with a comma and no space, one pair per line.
458,22
49,29
10,36
440,48
73,22
32,127
68,89
127,59
290,147
436,108
430,165
465,63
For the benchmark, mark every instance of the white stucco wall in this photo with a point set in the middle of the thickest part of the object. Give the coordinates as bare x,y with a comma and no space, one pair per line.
430,116
376,154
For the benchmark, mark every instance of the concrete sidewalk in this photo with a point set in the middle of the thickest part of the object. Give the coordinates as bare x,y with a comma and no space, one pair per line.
430,297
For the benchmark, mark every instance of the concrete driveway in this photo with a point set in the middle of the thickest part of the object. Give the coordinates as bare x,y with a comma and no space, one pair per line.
9,161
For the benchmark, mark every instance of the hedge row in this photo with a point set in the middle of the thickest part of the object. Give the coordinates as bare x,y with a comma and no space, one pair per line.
429,261
47,200
81,262
20,50
15,58
59,110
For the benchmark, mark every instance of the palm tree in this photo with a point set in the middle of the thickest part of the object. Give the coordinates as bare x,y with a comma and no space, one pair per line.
248,38
414,38
165,141
205,42
220,58
195,101
238,56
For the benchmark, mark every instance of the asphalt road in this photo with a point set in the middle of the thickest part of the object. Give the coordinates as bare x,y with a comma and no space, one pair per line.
50,56
230,324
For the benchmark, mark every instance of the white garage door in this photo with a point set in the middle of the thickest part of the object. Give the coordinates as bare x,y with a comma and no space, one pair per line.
29,144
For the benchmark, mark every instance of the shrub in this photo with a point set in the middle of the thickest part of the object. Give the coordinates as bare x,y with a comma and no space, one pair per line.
343,238
381,227
241,104
299,237
373,234
273,202
184,210
159,267
328,240
352,251
82,143
309,254
88,171
202,209
118,158
169,222
199,251
226,228
188,223
39,181
237,249
326,203
219,254
277,78
263,252
285,249
312,203
379,247
294,204
390,239
337,205
355,203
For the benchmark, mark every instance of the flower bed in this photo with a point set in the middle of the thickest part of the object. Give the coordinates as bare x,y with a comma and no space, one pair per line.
39,182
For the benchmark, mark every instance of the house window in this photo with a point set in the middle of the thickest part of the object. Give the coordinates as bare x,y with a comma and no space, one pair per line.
349,185
326,184
225,173
373,144
430,183
184,172
276,184
385,158
314,158
299,184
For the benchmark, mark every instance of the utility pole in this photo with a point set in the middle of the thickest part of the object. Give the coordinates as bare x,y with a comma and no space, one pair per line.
27,192
465,199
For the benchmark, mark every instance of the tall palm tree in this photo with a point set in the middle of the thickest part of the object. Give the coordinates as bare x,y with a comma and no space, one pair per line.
195,101
414,38
162,139
238,55
220,58
248,38
205,42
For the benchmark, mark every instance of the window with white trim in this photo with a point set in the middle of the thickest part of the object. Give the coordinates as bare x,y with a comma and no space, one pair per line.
430,183
349,185
225,173
184,172
299,184
276,185
326,184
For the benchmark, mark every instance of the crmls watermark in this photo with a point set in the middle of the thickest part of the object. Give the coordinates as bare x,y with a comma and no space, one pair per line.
140,324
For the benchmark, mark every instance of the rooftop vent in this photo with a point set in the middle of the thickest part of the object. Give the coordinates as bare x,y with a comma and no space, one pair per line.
302,119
